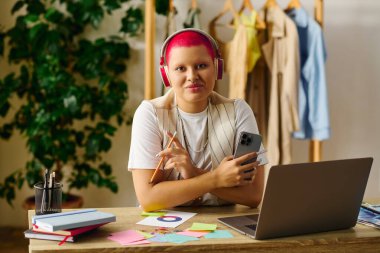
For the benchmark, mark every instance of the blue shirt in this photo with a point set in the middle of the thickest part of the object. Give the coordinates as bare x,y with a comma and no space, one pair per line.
312,94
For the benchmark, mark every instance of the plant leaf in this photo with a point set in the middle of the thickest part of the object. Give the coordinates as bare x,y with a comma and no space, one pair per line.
17,6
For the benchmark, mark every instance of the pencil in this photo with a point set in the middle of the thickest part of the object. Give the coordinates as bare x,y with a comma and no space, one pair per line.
162,158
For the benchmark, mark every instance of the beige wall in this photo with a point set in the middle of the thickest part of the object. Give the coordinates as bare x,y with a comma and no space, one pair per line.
13,153
352,36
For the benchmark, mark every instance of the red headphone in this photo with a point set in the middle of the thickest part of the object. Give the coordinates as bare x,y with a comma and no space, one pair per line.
218,61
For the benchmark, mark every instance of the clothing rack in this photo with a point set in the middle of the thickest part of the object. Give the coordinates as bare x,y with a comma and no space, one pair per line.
150,38
315,146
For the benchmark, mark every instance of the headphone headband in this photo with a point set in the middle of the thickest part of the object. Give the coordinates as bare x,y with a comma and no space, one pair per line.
166,42
218,61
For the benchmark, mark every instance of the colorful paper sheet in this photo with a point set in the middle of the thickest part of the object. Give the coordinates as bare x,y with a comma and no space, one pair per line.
145,234
126,237
219,234
202,227
158,238
136,243
175,238
193,233
171,219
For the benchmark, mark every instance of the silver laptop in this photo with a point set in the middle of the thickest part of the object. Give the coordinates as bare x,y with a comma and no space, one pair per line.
307,198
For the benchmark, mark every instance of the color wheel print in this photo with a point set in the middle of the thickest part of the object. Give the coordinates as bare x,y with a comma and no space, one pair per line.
169,218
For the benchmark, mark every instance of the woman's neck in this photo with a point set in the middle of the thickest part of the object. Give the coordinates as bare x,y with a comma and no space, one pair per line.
192,107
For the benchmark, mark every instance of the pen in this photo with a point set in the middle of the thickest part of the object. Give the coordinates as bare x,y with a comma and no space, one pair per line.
162,158
50,191
53,206
44,192
53,179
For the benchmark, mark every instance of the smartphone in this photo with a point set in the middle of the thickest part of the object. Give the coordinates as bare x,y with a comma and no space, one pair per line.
248,143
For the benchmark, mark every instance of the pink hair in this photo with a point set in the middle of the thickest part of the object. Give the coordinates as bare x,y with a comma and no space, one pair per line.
189,39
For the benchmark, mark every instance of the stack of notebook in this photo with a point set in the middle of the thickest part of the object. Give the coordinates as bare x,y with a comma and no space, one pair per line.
369,215
67,226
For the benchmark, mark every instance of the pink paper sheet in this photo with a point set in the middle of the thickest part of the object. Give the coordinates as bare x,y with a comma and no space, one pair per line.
126,237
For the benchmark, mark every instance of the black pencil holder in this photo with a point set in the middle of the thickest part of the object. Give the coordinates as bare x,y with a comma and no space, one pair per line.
48,200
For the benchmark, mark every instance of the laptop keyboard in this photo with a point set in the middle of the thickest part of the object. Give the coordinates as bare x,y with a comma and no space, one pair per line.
251,226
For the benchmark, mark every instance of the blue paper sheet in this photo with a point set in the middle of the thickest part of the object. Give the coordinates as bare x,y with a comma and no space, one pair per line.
175,238
219,234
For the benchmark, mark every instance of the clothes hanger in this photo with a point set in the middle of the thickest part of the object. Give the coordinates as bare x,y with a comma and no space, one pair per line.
194,4
260,24
228,7
246,4
270,3
293,4
171,6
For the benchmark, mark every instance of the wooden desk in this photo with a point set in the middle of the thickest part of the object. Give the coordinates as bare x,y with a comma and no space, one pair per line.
358,239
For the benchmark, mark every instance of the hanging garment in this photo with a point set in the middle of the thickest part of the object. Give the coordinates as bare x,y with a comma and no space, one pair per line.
257,95
234,54
257,88
240,54
281,54
312,94
237,62
253,48
192,19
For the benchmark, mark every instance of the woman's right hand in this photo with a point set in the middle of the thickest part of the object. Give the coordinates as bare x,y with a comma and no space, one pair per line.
179,159
231,173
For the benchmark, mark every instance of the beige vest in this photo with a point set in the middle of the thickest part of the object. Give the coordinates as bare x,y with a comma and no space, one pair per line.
221,133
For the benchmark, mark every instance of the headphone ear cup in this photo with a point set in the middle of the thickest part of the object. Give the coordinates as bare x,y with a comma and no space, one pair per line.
219,67
164,76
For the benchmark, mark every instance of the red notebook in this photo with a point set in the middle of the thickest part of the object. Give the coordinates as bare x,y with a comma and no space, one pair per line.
68,232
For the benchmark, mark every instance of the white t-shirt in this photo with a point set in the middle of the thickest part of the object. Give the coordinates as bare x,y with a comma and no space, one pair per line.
146,138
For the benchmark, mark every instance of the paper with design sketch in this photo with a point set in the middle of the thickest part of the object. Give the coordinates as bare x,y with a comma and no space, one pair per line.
171,219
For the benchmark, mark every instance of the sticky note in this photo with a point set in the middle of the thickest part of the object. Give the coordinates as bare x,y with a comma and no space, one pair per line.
125,237
157,238
202,227
219,234
179,238
145,234
137,243
193,233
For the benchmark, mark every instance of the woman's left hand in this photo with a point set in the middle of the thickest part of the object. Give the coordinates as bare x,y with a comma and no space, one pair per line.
179,159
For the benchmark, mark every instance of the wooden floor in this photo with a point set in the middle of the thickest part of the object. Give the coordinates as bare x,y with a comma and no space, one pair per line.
12,240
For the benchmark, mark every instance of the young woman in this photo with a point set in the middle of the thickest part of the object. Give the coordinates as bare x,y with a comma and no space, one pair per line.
199,168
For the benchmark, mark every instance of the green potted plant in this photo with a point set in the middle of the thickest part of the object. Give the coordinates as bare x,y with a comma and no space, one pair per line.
67,96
